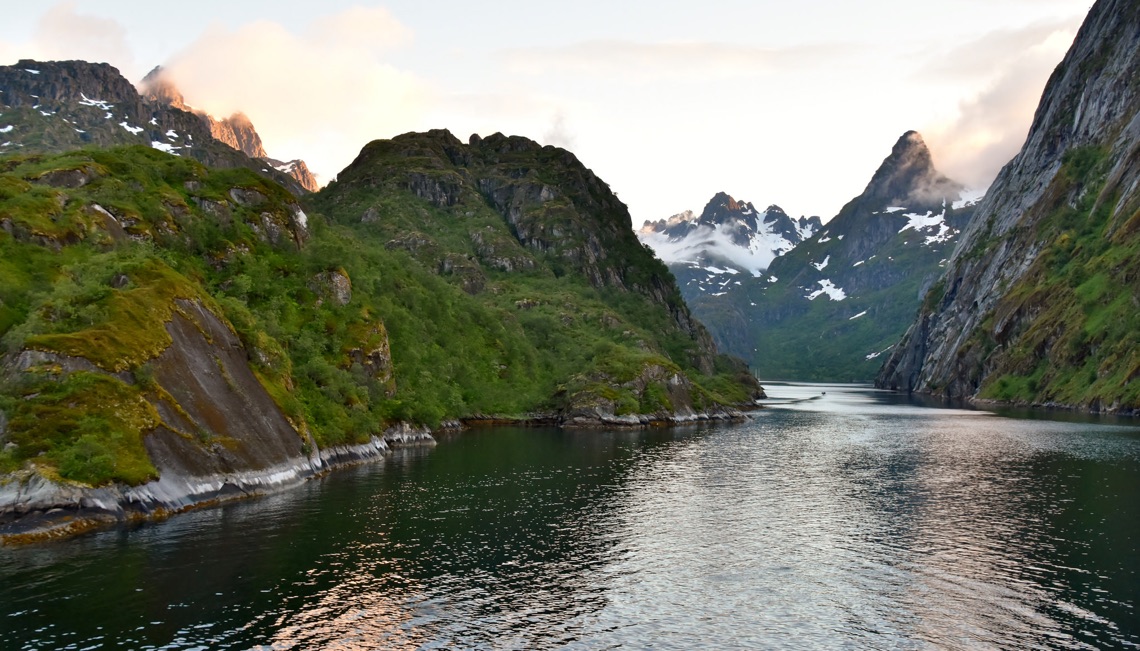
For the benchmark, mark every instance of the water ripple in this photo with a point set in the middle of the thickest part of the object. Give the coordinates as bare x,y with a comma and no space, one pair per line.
848,521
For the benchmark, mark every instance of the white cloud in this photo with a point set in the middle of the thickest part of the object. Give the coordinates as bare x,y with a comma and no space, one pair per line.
559,134
321,94
1008,69
667,60
63,33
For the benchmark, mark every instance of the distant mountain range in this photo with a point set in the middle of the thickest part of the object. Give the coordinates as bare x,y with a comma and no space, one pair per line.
729,238
820,302
57,106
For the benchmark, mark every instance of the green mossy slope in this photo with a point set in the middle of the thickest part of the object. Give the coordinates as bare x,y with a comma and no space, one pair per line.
423,312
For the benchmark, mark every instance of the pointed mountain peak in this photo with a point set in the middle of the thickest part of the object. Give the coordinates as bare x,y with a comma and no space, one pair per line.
908,176
157,87
911,140
723,200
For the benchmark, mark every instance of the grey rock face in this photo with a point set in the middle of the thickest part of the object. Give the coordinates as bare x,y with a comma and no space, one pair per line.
333,286
1092,99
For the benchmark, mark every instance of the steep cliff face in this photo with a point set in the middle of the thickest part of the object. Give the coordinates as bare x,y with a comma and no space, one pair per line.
238,132
828,307
58,106
298,170
1038,302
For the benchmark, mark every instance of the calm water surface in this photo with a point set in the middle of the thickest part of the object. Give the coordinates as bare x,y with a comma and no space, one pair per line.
837,520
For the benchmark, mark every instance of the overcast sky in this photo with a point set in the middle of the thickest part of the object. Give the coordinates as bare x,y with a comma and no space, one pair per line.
794,103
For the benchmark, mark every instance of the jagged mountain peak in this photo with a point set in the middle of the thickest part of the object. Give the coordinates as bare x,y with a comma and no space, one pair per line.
157,87
723,207
908,177
56,106
236,131
729,233
726,201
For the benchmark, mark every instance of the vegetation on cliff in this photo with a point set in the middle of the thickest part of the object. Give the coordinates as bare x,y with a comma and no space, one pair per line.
1066,331
376,302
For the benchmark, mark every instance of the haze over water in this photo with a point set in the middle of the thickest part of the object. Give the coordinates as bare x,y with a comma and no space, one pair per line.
837,520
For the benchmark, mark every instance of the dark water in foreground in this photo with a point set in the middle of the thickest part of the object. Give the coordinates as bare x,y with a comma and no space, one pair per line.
839,522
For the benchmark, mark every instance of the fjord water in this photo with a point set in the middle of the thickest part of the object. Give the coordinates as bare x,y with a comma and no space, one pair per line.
845,519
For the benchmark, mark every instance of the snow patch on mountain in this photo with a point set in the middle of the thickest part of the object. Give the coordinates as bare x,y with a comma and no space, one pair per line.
166,147
969,198
828,288
820,266
97,103
805,230
919,222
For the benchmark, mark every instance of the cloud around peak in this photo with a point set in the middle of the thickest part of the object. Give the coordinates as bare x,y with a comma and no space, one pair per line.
1010,68
319,94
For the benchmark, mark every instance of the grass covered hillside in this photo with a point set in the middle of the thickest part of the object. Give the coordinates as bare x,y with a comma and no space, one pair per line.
130,280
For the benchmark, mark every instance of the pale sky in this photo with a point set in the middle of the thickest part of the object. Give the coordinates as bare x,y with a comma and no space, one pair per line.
793,103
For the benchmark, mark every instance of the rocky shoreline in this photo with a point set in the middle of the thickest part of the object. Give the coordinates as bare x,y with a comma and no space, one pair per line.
598,417
34,508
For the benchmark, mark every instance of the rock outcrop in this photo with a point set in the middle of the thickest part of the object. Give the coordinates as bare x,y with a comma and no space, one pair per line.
1038,299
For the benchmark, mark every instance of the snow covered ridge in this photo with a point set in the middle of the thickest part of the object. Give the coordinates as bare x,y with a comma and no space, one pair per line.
728,233
719,242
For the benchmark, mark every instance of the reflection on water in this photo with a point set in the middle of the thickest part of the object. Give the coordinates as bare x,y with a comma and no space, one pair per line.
837,518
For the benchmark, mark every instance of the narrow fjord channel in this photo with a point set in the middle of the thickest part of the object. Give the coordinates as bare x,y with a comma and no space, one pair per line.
830,520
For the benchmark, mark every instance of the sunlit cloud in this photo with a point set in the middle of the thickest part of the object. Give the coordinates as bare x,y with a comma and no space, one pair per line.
63,33
1010,67
320,94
